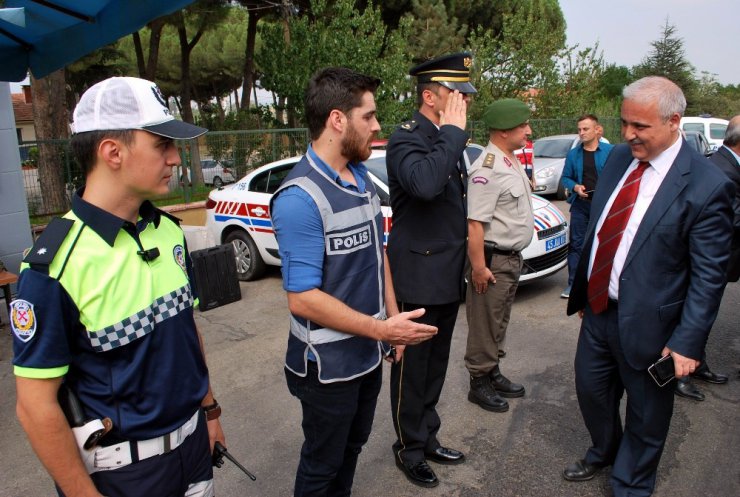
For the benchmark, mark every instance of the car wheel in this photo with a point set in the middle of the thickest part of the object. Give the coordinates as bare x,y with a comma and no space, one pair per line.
249,263
218,182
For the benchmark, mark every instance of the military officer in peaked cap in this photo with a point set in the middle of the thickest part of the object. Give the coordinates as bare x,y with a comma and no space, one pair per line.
500,224
426,251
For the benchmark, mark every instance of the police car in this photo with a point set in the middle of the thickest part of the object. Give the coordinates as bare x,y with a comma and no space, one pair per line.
240,214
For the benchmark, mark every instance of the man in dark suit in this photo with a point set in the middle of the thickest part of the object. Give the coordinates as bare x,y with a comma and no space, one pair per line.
728,159
426,252
649,284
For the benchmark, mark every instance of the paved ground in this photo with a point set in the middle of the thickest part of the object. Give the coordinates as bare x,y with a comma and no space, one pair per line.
517,453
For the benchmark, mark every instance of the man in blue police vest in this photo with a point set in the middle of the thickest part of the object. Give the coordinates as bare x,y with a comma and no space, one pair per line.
329,229
426,249
103,321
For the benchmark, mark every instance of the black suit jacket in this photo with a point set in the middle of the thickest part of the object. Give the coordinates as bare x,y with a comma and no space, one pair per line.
729,165
426,245
674,275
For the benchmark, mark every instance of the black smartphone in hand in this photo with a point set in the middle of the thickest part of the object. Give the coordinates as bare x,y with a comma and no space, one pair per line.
662,370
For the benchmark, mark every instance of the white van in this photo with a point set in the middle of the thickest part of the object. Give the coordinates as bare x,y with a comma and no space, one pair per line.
711,127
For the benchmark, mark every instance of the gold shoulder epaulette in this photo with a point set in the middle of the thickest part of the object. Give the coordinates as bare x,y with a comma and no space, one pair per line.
488,161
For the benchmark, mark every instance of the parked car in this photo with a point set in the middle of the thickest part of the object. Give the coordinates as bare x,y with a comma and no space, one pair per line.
711,127
699,143
549,161
240,214
216,173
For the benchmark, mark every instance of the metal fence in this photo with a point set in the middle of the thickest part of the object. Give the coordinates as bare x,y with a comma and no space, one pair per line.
238,151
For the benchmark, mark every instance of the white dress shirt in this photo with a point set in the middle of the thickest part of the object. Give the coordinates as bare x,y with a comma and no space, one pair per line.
652,178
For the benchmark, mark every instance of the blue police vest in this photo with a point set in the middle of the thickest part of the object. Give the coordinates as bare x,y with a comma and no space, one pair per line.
352,273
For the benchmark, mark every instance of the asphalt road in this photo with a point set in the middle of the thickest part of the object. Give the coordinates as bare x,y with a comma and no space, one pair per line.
517,453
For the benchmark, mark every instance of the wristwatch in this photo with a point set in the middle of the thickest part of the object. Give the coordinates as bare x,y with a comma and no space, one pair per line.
212,411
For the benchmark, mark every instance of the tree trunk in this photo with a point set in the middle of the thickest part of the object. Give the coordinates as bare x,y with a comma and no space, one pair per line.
139,54
185,94
249,59
50,121
156,27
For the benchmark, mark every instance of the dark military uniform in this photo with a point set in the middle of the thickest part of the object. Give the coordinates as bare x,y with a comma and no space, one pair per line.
426,250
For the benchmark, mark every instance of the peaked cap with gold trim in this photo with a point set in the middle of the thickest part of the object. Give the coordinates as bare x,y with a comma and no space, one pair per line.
451,71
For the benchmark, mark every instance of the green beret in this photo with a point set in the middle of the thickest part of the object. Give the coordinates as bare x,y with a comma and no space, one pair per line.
506,114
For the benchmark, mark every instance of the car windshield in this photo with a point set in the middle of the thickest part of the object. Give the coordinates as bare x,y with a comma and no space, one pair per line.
376,165
556,149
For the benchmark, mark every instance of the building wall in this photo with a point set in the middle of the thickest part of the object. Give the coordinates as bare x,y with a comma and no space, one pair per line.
15,228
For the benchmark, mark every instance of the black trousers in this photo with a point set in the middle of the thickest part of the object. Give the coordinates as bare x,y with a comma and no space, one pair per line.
416,384
602,377
337,419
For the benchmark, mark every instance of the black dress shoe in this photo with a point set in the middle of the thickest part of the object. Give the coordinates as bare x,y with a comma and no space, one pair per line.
580,471
482,393
444,455
418,473
688,390
710,377
503,386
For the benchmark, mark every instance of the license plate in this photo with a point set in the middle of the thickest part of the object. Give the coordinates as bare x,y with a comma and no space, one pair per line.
554,243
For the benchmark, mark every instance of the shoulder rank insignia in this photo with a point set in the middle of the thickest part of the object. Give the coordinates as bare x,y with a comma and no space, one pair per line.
46,247
409,125
488,161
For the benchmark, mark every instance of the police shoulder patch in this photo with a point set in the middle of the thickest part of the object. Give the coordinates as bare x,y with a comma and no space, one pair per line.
22,319
179,254
488,161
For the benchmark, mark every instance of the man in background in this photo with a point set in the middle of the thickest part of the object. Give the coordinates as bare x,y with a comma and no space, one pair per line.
583,165
727,158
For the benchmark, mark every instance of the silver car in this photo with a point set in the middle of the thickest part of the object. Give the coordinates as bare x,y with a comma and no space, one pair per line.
549,161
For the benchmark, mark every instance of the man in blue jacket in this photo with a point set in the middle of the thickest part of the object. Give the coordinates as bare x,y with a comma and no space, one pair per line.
582,168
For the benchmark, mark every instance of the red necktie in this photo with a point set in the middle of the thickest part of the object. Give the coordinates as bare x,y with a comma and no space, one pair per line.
610,235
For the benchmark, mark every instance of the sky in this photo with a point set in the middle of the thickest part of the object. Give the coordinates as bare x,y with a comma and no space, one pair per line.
624,30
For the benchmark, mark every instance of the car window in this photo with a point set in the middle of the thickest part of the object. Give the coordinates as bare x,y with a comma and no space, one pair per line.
207,164
269,181
717,131
556,149
694,127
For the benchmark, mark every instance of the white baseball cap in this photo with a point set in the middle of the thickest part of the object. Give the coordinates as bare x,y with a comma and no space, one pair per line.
129,103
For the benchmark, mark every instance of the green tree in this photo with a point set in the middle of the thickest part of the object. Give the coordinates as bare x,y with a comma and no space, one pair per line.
613,80
335,35
522,57
433,32
668,59
714,99
576,89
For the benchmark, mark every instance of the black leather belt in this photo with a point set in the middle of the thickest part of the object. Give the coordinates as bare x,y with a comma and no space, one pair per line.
489,250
